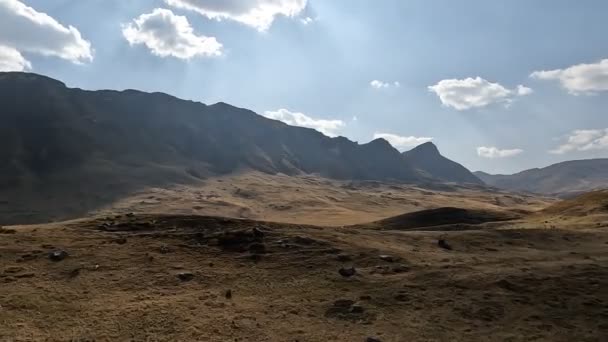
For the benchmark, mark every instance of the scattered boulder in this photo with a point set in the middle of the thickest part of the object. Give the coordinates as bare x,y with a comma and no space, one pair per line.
387,258
58,255
185,276
164,249
444,244
347,272
343,257
372,339
228,294
130,215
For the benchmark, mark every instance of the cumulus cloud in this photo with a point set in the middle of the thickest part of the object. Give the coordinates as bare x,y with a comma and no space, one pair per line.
475,93
401,142
579,79
259,14
12,60
327,127
376,84
523,90
167,34
584,140
494,152
307,20
23,29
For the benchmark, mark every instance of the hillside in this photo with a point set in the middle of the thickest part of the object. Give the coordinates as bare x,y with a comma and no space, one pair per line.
588,204
66,129
197,278
91,148
565,179
440,217
254,195
426,157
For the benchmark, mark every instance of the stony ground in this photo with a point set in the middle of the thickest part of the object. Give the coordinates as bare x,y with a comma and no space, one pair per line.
189,278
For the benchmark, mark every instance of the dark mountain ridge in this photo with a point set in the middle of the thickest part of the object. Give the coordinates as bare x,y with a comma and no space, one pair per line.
47,127
67,150
426,157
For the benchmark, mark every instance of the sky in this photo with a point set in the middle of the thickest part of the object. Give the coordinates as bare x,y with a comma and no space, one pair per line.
499,86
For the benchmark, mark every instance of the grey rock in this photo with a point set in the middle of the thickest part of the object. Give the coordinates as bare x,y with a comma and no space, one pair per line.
347,272
185,276
58,255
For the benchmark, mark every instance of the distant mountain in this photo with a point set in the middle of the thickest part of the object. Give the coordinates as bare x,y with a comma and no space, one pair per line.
565,179
427,158
47,128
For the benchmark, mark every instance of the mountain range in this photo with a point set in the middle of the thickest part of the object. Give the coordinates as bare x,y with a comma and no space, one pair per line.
566,179
49,129
59,139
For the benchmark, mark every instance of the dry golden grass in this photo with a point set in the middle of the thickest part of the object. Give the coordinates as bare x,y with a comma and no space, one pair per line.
537,277
311,200
120,282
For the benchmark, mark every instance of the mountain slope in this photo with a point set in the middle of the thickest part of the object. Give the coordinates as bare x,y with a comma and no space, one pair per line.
48,128
427,158
563,179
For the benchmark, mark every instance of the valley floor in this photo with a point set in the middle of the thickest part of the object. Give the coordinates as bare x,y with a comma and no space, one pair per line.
196,278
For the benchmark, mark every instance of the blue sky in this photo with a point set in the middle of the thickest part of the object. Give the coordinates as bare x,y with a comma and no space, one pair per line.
499,86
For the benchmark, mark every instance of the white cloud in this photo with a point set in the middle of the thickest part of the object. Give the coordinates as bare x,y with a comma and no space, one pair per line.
579,79
12,60
493,152
401,142
523,90
474,93
23,29
307,20
167,34
383,85
259,14
584,140
327,127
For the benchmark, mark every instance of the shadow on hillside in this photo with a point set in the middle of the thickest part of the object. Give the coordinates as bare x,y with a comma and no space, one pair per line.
75,194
